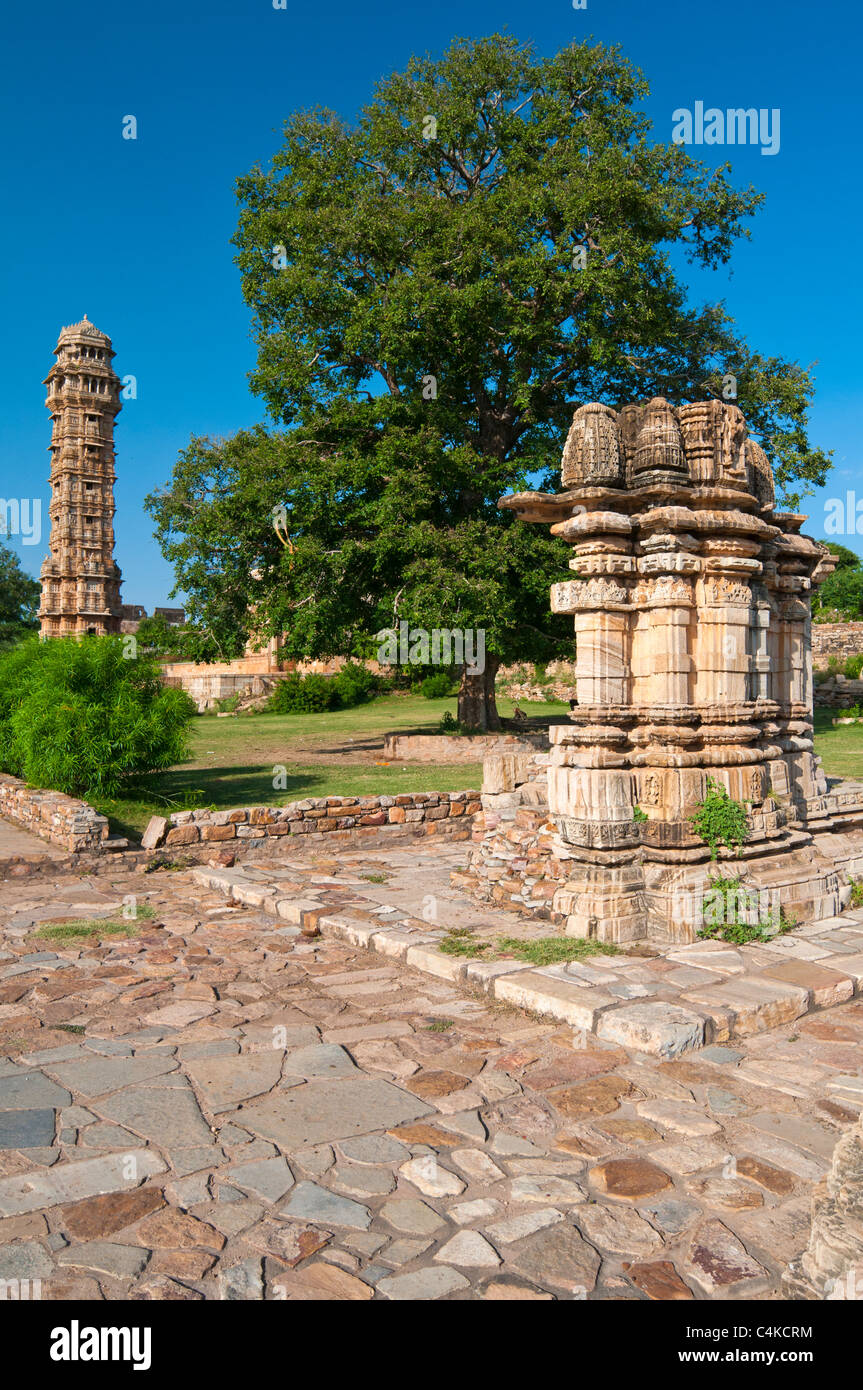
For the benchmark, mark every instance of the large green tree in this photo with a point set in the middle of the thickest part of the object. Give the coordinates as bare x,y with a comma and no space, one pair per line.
840,597
19,599
434,289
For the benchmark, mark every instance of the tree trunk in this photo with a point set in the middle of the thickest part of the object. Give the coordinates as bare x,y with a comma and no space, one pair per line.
476,706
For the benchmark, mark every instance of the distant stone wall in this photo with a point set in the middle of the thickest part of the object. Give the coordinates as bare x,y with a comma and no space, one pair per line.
413,813
254,674
60,819
209,684
519,682
835,639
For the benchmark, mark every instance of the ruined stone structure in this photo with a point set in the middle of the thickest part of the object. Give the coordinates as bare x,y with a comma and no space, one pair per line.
693,662
80,581
832,1266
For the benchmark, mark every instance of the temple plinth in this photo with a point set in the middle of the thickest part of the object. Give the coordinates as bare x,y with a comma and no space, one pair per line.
692,625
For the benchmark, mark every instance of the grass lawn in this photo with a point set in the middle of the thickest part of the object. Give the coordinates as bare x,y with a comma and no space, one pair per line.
839,747
340,753
337,753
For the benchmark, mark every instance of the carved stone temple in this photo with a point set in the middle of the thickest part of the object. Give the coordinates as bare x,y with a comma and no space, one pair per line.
692,626
80,580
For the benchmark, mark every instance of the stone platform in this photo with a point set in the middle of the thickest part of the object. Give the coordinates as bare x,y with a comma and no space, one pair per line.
309,1122
659,1002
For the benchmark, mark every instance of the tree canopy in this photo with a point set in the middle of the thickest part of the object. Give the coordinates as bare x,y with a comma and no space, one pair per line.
19,598
840,597
434,289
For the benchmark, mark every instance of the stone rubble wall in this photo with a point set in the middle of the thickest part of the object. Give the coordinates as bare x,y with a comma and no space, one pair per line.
208,685
838,693
52,816
836,639
512,862
416,813
560,682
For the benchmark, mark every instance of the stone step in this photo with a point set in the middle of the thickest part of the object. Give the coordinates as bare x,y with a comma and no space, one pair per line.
744,990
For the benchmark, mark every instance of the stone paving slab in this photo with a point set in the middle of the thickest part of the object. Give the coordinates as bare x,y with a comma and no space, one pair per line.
304,1140
714,993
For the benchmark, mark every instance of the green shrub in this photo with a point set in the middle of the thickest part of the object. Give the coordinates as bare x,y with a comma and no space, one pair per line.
447,724
853,666
436,687
314,693
355,684
80,717
285,699
311,694
720,820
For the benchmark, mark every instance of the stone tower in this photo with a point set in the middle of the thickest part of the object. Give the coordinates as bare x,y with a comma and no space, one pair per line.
80,581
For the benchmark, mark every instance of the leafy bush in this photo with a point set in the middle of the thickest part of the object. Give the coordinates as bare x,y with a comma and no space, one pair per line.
840,597
356,683
80,717
449,725
436,687
720,820
296,694
314,693
853,666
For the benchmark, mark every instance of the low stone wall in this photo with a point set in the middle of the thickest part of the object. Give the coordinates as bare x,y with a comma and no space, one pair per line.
60,819
416,813
838,693
458,748
835,639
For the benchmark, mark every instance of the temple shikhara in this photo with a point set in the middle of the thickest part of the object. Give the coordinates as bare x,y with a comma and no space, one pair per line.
80,580
693,663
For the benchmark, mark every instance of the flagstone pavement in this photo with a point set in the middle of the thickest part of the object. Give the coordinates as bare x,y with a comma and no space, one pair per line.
223,1106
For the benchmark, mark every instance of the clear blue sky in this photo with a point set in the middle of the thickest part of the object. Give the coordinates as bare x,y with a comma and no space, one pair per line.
137,233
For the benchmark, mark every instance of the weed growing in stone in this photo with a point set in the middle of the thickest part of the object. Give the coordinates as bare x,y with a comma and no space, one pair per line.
458,941
160,864
553,950
88,928
736,917
720,820
542,950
